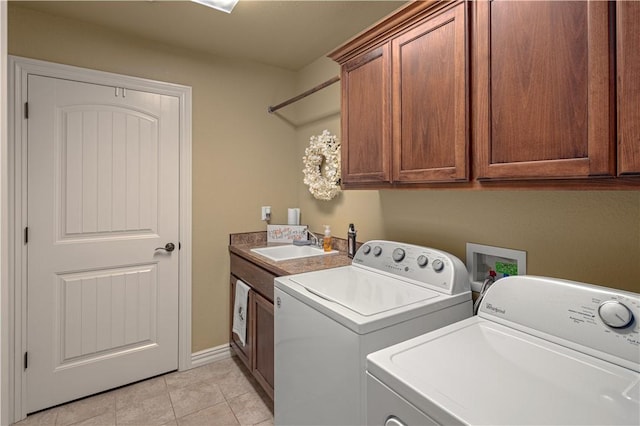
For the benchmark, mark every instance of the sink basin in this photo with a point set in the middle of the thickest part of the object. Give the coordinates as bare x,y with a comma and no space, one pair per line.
278,253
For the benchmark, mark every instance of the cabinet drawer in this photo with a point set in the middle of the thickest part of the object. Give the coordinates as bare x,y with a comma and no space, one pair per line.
254,276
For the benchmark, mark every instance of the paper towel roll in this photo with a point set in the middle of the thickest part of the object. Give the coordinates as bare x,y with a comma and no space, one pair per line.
293,216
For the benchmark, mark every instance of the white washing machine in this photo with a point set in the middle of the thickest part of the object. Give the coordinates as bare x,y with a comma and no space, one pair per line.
326,322
541,351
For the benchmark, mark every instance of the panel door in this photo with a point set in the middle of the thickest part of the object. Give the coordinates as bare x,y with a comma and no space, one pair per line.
430,101
628,51
263,349
366,120
543,89
102,197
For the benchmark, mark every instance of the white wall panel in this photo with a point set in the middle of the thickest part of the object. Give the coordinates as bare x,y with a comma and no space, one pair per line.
106,310
105,170
89,316
109,171
72,319
133,173
117,316
71,170
119,221
89,150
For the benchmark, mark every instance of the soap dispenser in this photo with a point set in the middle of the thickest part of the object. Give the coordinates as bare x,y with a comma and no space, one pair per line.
326,243
351,241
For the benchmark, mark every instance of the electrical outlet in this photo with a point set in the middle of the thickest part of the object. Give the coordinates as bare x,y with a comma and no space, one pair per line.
504,262
266,213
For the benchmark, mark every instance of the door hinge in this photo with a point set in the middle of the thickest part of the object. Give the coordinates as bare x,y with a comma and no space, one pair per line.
26,360
26,235
26,110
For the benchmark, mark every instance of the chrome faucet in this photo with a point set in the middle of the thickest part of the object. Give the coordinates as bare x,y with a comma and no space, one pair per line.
315,241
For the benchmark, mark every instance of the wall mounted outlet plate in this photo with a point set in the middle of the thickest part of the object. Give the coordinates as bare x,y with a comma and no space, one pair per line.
266,213
504,262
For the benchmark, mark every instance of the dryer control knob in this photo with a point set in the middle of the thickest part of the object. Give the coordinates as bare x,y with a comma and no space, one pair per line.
422,260
366,249
398,254
377,251
438,265
615,314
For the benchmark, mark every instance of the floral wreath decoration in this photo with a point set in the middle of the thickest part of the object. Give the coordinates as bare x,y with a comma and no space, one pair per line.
322,166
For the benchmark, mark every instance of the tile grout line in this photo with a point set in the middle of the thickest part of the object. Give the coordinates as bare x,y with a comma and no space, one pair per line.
173,409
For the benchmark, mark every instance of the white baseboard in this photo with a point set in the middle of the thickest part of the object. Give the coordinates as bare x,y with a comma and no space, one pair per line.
207,356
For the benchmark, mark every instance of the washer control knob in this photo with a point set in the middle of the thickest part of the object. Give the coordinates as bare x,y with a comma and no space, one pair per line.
377,251
422,260
438,265
398,255
366,249
615,314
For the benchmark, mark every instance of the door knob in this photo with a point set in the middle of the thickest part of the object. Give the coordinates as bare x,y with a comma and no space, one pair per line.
169,247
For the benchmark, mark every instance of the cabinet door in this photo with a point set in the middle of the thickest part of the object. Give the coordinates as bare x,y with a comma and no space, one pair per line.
366,132
430,100
543,89
628,40
263,351
244,352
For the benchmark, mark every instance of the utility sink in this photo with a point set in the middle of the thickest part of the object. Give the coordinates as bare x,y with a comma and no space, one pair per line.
279,253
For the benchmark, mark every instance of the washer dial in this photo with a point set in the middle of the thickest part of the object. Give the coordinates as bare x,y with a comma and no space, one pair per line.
377,251
438,265
422,260
615,314
398,255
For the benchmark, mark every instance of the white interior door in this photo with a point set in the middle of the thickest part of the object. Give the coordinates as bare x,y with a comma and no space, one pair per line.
103,182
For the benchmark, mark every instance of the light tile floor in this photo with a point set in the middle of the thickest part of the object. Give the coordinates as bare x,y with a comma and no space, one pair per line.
220,393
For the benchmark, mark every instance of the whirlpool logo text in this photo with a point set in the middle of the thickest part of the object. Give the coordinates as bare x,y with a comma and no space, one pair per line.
495,310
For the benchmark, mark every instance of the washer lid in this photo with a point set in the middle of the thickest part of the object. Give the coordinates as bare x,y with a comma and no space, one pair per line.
361,291
479,372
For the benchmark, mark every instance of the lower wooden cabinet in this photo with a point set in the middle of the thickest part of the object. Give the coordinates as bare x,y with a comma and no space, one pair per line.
244,352
262,332
257,352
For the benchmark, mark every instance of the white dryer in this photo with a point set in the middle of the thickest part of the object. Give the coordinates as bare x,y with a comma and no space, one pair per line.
541,351
326,322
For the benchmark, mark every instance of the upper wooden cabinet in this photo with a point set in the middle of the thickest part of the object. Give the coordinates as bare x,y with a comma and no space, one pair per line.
543,90
429,95
405,98
628,51
494,93
366,126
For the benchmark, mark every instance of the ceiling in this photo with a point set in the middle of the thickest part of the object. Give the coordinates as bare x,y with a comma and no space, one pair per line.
287,34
